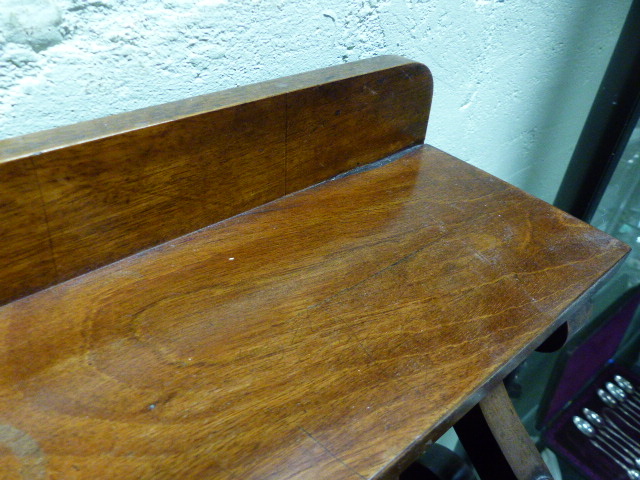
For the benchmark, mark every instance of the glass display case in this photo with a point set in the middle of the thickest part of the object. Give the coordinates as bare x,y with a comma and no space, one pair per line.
602,187
618,211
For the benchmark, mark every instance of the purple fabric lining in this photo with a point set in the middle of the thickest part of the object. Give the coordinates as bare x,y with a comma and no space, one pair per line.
591,356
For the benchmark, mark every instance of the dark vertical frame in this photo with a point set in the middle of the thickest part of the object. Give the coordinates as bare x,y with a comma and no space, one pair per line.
609,124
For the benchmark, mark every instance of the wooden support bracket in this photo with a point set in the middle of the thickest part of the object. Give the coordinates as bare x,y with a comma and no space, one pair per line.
497,442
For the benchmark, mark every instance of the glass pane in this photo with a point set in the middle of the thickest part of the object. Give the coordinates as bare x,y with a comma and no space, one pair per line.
619,215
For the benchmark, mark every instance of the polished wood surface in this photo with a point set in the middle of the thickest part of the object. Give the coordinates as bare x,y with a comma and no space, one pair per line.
573,320
79,197
332,333
25,248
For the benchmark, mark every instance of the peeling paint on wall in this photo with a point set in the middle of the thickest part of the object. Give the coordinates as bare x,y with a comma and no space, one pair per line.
514,79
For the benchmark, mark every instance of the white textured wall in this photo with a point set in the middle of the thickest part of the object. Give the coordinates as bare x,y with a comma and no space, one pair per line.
514,79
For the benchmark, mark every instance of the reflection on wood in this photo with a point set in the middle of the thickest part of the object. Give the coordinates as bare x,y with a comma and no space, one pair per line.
79,197
332,333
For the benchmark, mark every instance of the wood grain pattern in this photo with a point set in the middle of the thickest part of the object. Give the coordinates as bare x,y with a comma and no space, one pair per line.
515,443
332,333
574,319
115,186
319,118
25,249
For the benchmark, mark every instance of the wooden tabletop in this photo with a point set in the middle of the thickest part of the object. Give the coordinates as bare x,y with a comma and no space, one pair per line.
328,334
82,196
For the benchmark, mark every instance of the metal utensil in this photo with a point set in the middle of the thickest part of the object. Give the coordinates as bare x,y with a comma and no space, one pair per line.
611,427
622,396
609,401
632,473
614,416
587,429
627,386
624,384
619,447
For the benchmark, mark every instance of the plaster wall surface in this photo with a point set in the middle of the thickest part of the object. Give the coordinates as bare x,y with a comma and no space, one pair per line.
514,79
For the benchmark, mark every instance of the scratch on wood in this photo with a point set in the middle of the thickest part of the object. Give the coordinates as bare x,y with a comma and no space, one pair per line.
330,453
46,219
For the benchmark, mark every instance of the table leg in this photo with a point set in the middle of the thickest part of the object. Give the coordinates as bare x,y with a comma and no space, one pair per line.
497,442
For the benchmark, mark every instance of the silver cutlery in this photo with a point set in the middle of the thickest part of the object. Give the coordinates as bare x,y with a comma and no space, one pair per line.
620,395
627,386
610,401
607,425
623,383
614,416
587,429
